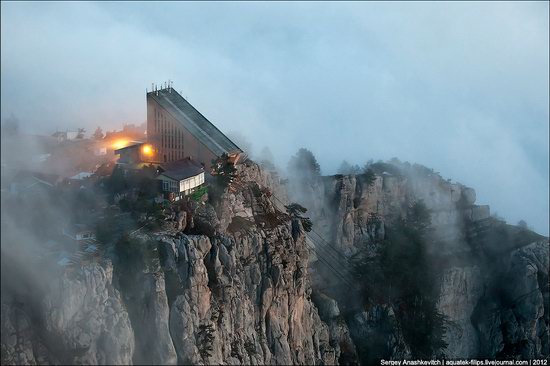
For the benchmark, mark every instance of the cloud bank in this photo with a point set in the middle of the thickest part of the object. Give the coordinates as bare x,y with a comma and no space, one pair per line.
460,87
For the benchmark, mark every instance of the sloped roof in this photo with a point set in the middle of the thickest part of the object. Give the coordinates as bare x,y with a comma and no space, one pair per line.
181,169
194,121
131,145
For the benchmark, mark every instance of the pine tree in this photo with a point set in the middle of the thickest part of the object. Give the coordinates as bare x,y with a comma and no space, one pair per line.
98,134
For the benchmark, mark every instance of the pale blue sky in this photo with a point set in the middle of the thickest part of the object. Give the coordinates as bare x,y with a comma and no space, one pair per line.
461,87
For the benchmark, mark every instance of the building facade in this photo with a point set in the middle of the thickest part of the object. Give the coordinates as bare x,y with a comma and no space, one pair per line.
176,130
132,154
181,178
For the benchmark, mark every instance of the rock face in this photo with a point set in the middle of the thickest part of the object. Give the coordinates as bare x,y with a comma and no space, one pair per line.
366,329
81,320
150,315
515,324
352,211
242,286
245,300
461,289
238,295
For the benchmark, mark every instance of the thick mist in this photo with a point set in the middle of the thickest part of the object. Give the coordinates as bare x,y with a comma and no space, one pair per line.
458,87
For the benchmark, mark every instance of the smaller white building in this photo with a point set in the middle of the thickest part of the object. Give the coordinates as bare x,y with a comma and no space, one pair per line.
79,232
181,177
81,176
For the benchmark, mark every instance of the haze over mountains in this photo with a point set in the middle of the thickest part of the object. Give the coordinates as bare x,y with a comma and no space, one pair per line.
346,221
459,87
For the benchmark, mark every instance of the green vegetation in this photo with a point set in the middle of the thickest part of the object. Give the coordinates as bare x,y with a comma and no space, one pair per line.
205,337
116,183
107,228
224,174
223,170
304,164
199,192
375,347
266,158
141,206
98,134
131,258
142,182
295,211
348,169
370,176
250,348
401,275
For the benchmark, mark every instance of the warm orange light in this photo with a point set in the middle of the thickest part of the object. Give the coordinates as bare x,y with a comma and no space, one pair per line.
147,149
119,144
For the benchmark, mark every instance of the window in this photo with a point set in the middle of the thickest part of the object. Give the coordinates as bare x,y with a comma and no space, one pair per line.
165,185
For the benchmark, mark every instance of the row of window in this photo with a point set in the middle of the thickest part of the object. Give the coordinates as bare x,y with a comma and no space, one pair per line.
170,186
192,182
174,155
171,137
184,185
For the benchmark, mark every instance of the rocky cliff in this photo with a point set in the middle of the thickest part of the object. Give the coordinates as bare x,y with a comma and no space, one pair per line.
493,277
78,319
239,295
239,281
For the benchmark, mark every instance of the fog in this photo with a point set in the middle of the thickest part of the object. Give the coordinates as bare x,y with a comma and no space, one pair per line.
459,87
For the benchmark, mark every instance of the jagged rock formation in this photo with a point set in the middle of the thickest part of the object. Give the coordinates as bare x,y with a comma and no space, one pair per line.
514,322
350,210
240,295
81,320
236,282
472,247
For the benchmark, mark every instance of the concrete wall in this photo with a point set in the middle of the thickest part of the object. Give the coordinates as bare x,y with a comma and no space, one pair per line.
172,141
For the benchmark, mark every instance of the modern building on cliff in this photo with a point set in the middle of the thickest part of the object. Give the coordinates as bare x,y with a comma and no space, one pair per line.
180,178
176,130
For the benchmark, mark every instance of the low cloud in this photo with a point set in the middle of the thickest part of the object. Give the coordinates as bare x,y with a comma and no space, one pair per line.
460,87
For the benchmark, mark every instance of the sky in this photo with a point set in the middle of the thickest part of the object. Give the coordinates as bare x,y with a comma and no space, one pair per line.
461,87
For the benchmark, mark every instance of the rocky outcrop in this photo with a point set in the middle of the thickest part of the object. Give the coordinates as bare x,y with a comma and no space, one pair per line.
353,211
377,334
150,315
514,322
18,338
81,320
245,298
236,281
461,289
236,293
